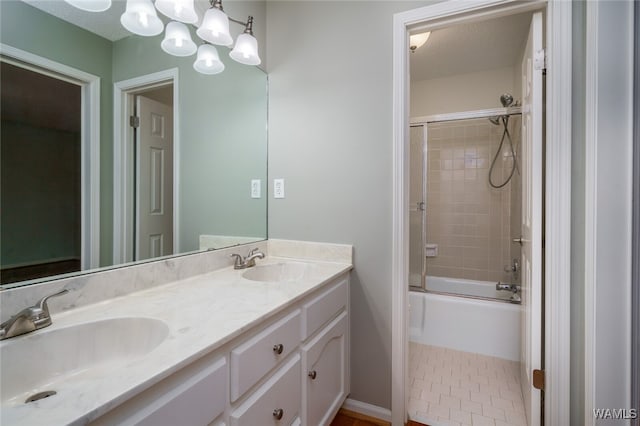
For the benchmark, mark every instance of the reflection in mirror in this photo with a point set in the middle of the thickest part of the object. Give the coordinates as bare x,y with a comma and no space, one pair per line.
79,193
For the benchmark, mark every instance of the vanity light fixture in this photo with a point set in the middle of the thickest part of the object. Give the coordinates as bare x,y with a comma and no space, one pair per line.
140,18
91,5
417,40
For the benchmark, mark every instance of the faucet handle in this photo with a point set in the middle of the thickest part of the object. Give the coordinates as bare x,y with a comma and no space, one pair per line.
42,304
252,252
238,259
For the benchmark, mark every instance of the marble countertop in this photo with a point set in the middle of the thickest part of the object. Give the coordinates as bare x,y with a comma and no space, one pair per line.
202,313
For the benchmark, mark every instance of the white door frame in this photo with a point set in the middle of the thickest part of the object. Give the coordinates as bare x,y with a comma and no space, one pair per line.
89,142
557,195
122,176
608,226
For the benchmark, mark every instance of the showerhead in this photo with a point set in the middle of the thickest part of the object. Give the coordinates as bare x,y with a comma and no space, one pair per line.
506,100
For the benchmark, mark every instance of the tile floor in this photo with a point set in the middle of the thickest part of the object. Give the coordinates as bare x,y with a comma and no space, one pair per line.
450,387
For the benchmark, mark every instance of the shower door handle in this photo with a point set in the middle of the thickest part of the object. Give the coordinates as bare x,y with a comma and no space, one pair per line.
520,240
420,206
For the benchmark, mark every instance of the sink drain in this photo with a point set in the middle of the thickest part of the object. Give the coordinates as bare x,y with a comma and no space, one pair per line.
40,395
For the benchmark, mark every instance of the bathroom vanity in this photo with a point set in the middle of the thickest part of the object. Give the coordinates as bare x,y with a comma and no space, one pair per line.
264,345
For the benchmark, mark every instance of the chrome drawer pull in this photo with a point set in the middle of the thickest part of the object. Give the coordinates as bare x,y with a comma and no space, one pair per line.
278,413
278,348
312,374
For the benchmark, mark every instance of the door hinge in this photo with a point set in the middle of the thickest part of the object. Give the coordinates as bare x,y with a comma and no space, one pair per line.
134,121
538,379
540,60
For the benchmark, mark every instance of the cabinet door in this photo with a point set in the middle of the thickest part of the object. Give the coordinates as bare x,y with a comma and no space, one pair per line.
326,373
276,402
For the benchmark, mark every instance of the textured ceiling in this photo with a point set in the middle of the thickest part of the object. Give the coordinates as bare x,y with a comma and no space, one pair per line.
474,47
106,24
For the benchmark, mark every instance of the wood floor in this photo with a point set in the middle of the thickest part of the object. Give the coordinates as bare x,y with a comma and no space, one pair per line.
350,418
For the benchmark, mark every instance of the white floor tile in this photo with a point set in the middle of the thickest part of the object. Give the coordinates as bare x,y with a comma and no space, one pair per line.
462,388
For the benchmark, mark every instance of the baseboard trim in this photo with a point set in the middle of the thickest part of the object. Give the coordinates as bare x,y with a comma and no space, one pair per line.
367,409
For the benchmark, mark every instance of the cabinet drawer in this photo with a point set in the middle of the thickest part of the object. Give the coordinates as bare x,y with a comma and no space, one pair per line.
256,357
320,310
280,392
324,361
196,395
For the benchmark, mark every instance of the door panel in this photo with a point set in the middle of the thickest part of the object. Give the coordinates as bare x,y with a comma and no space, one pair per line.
532,148
154,179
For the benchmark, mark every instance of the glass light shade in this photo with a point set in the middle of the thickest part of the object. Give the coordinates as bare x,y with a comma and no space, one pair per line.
215,28
178,10
91,5
177,40
208,61
246,50
417,40
140,18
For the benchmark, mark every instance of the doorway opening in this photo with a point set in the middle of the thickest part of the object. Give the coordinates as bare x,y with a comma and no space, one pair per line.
146,151
469,175
41,168
50,167
553,343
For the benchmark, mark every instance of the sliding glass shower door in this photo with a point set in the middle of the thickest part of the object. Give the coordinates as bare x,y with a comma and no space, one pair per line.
417,210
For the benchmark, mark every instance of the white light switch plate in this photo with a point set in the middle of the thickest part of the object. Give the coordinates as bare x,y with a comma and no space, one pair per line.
255,188
278,188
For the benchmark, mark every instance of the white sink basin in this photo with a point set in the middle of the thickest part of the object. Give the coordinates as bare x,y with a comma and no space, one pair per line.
280,272
39,361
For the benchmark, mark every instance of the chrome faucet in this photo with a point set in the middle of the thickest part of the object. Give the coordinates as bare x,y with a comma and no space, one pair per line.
29,319
248,261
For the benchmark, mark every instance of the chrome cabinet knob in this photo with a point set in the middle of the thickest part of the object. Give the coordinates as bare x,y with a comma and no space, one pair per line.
312,374
278,348
278,413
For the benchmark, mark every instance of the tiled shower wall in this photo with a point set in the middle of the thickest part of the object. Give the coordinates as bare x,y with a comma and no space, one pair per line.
470,221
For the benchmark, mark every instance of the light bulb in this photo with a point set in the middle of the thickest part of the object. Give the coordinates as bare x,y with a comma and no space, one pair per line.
143,19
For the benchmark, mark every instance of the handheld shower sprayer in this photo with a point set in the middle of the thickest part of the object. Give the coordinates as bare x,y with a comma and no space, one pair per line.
506,100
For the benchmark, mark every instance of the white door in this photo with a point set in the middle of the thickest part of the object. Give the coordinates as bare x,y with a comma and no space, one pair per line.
154,179
531,240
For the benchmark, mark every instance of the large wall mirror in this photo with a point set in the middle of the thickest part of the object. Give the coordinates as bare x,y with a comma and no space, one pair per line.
84,185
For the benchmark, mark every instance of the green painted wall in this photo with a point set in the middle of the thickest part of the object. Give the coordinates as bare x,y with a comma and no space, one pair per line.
32,30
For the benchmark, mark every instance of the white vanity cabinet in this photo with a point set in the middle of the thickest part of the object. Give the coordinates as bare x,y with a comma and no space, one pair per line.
291,369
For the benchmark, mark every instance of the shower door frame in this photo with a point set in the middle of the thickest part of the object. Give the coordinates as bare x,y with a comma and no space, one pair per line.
423,230
424,121
557,163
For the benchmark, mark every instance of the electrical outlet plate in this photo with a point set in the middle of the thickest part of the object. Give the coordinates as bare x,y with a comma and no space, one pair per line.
278,188
255,188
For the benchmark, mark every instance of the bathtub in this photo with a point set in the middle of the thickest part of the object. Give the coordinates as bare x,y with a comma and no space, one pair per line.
487,327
